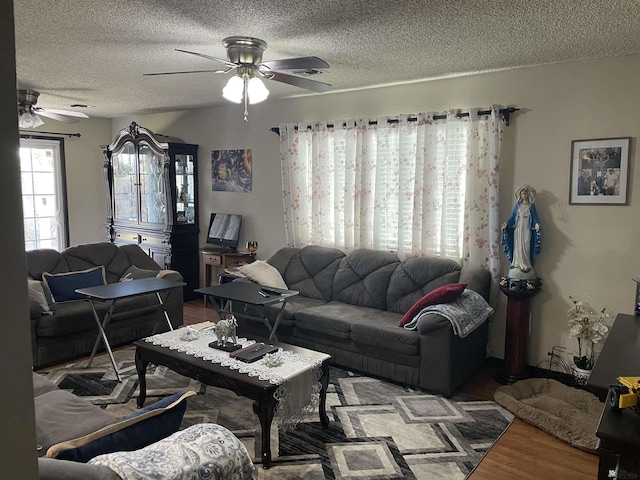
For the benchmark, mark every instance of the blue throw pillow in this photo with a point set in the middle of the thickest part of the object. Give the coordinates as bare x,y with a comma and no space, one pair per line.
143,428
63,285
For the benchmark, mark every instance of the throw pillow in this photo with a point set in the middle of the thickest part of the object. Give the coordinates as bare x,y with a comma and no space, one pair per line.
445,294
263,273
134,273
41,295
63,285
138,430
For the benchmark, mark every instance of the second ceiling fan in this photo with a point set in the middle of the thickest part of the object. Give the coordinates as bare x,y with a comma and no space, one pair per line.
29,114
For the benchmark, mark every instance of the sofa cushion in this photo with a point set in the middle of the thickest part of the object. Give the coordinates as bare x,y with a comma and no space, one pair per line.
74,317
363,278
42,384
333,319
263,273
63,285
382,332
291,308
445,294
144,427
60,416
309,270
40,294
416,276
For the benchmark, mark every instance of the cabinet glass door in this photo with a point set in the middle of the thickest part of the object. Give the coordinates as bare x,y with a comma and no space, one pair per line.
185,189
152,194
125,192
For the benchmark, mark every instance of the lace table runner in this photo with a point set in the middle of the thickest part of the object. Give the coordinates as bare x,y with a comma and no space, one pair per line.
297,377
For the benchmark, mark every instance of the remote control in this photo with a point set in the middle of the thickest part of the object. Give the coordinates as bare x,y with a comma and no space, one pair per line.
271,291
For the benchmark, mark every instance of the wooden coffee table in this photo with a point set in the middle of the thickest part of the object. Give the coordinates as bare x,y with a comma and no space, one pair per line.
216,375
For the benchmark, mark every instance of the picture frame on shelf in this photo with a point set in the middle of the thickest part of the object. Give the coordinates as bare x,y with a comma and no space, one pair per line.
599,171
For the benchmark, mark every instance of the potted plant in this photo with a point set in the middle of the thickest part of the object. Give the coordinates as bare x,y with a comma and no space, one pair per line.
589,327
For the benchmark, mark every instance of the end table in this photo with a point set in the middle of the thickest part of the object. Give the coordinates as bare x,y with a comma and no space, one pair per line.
517,334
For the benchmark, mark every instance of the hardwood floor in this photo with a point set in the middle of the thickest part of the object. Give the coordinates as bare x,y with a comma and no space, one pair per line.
522,452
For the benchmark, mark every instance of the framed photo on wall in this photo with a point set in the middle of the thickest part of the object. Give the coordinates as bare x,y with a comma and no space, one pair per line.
599,171
231,170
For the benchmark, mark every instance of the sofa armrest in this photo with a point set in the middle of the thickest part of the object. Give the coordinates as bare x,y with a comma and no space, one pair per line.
170,275
431,322
55,469
477,279
34,310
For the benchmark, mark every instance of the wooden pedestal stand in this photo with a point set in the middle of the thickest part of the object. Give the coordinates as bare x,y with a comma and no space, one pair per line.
517,335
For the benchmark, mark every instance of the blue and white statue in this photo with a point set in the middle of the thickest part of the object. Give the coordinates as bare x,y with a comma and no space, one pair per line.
521,236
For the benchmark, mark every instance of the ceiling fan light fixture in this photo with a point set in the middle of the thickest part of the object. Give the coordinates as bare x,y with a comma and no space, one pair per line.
234,89
29,120
256,90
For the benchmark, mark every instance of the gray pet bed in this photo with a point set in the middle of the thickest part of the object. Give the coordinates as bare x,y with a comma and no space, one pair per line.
567,413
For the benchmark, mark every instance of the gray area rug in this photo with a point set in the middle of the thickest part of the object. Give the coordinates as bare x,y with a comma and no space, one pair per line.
378,430
567,413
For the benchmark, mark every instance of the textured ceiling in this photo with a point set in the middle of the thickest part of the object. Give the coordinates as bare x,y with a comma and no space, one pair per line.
92,52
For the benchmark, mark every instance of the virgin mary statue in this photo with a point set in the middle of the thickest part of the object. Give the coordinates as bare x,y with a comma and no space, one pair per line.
521,237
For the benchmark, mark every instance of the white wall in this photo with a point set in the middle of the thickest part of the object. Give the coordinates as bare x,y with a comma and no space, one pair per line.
85,182
17,424
588,251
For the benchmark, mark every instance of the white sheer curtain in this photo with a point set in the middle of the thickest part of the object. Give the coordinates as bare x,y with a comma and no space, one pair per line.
420,186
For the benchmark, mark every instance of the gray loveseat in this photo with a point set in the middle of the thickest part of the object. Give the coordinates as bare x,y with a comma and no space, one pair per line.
70,331
350,306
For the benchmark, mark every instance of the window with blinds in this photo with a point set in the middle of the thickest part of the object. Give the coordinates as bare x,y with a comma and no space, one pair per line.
388,186
404,225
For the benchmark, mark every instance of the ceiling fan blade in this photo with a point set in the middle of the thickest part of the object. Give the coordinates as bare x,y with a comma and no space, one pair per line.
189,71
312,85
70,113
55,116
299,63
209,57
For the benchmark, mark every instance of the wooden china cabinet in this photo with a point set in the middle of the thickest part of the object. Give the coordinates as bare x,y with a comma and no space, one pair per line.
152,191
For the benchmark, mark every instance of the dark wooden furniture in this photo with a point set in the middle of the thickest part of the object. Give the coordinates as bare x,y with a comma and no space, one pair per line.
247,293
517,335
620,354
214,261
152,199
112,292
618,444
209,373
618,431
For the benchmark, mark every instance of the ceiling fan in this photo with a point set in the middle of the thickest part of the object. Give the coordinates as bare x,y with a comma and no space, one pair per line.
245,60
29,114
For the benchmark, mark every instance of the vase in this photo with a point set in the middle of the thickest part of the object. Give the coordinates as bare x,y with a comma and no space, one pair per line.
580,374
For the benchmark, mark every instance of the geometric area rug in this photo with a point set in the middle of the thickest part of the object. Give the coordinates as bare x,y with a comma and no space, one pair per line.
378,430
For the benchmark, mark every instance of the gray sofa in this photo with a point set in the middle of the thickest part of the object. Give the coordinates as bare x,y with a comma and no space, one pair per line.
350,306
70,331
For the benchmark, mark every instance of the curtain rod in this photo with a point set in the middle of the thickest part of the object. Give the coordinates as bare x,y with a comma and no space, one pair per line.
504,112
29,132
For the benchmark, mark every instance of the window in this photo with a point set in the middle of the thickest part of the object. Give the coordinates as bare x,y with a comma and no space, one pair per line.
420,185
44,196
